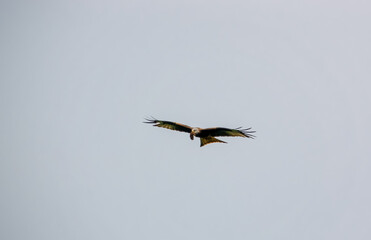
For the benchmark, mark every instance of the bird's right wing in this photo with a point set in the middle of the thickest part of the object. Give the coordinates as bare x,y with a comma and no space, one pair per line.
169,125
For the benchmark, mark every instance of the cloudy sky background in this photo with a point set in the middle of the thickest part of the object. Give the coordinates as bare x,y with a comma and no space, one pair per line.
78,77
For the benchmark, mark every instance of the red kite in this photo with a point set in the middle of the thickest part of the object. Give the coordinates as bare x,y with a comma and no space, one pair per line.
206,135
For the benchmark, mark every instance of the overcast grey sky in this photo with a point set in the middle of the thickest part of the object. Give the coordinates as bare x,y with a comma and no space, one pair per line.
78,77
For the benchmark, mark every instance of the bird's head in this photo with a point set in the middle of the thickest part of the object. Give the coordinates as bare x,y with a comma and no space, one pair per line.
194,132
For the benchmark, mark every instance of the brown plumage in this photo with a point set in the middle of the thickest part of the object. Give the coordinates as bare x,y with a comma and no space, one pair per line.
206,135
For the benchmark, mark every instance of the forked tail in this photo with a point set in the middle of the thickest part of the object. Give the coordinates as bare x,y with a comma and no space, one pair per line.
209,139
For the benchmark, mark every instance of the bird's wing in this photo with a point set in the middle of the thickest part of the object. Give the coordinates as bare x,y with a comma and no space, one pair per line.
227,132
169,125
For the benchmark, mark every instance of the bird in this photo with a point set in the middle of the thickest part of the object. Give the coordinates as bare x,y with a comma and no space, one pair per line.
206,135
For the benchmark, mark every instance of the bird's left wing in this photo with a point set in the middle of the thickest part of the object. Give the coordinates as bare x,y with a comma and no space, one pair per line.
227,132
169,125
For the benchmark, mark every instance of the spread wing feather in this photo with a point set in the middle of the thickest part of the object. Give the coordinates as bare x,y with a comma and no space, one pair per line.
227,132
169,125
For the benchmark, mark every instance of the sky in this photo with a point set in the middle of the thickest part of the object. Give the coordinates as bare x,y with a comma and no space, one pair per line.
78,78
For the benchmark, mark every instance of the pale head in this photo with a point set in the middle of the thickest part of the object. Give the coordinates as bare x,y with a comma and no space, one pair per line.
194,132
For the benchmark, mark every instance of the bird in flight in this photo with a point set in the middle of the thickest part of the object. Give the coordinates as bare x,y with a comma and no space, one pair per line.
206,135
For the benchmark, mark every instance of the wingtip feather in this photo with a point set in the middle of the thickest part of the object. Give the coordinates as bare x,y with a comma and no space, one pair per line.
151,120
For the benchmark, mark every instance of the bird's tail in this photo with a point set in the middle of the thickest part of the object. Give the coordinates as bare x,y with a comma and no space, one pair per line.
209,139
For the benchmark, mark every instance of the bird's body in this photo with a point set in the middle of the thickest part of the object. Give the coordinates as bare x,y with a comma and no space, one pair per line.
206,135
